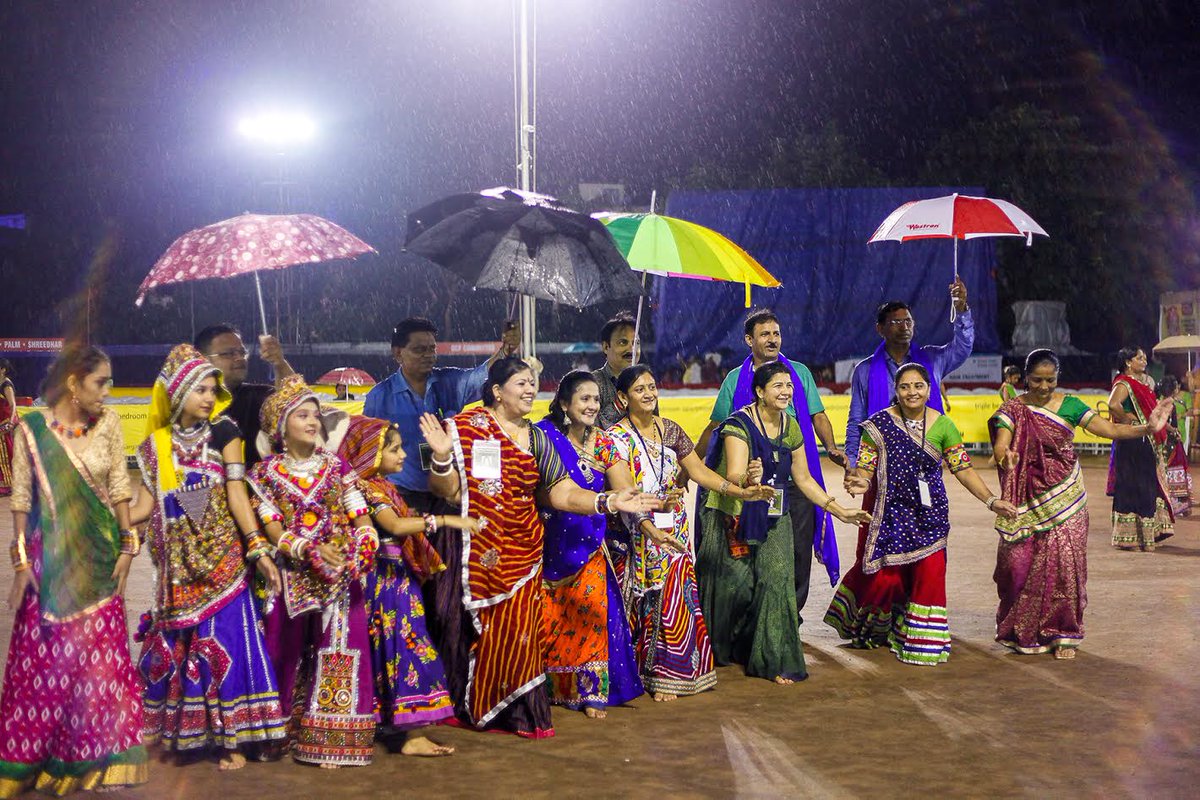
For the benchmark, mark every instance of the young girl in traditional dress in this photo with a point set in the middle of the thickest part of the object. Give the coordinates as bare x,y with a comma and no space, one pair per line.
410,681
207,677
314,513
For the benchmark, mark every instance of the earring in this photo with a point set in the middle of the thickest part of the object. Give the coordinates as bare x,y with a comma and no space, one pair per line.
75,401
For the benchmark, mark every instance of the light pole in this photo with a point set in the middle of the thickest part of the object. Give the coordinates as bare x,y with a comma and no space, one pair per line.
527,143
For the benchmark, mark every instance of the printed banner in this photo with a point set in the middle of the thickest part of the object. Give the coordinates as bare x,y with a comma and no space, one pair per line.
1178,314
22,345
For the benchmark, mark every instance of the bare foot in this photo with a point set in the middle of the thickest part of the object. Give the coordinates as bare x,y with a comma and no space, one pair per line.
329,766
1064,653
782,681
595,713
231,761
663,697
427,748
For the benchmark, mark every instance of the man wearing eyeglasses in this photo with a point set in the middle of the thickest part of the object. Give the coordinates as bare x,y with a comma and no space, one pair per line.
420,386
874,379
222,345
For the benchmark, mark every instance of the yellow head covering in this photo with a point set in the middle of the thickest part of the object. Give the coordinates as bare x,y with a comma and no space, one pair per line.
181,373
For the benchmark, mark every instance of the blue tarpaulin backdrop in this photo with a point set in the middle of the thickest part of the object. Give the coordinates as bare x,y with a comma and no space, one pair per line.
815,242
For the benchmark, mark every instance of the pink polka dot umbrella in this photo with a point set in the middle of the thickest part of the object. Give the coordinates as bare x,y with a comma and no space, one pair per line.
249,244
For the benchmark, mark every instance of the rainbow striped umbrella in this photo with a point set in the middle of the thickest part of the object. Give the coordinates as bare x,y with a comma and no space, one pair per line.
669,246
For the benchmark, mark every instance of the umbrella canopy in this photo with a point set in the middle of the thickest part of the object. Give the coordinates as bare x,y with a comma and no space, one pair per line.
250,243
522,242
1186,343
350,376
675,247
956,216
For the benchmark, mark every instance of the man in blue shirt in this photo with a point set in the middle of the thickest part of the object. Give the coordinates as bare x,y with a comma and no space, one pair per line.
894,323
763,337
419,386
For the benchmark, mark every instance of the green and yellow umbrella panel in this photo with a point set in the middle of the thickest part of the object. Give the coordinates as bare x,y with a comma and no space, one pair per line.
675,247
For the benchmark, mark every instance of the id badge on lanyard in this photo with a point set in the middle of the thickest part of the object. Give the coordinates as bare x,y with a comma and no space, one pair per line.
775,509
485,460
923,489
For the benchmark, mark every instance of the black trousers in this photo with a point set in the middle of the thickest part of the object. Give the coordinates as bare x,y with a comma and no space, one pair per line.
801,509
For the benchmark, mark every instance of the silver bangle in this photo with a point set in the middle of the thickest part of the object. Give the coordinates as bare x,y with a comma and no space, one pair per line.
235,472
991,501
435,462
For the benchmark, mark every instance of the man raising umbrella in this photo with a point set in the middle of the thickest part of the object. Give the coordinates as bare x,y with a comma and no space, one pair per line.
420,386
765,341
874,379
222,345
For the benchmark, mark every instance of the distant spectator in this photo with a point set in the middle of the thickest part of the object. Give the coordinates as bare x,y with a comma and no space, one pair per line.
1008,388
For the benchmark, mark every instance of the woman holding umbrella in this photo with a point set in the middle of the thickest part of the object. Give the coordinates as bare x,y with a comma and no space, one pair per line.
656,569
895,594
1137,480
495,464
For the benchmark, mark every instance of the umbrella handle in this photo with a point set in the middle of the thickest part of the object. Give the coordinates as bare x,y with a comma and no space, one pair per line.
637,325
953,310
262,309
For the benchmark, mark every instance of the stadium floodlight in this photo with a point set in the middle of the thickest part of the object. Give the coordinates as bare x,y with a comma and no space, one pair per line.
278,128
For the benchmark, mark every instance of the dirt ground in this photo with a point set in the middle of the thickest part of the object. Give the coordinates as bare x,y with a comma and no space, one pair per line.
1119,721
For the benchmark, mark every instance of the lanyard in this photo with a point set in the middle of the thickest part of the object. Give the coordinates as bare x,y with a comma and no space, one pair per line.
776,444
662,454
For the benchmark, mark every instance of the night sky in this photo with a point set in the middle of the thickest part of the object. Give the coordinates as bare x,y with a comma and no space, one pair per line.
117,118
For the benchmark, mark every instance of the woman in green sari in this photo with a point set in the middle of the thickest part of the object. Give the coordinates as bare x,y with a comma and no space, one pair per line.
744,558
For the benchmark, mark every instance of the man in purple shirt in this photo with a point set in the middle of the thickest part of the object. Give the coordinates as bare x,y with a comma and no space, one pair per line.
894,323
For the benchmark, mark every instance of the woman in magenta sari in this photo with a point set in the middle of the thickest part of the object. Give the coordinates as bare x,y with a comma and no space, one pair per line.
70,720
1041,564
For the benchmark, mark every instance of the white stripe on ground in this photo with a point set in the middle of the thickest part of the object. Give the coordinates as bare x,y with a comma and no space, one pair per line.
954,724
845,656
764,767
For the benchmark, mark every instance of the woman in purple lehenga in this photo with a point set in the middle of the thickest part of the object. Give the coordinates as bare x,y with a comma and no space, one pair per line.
1041,564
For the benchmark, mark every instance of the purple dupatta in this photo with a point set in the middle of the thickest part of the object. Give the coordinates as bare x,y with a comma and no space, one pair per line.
824,543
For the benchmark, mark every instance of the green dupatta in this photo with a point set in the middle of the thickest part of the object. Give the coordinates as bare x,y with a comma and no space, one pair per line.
80,537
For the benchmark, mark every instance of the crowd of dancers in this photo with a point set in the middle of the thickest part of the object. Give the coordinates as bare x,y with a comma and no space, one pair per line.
326,582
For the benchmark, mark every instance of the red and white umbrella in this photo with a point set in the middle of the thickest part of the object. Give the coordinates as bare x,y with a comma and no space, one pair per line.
251,243
956,217
350,376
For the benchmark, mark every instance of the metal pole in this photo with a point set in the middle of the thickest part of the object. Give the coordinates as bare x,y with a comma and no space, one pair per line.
525,133
262,309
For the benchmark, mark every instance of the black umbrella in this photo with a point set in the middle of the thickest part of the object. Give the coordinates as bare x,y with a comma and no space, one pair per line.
521,242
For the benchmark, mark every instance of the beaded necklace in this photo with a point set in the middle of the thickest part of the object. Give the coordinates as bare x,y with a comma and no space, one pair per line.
72,431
